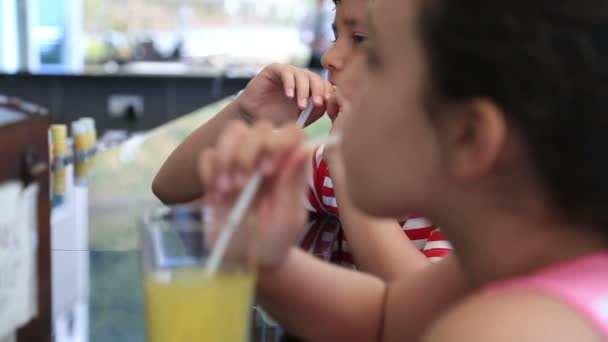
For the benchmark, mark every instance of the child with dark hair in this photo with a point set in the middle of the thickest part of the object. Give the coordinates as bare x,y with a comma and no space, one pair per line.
388,248
490,119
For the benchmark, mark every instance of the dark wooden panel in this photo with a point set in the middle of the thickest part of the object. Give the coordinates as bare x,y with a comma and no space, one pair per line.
30,136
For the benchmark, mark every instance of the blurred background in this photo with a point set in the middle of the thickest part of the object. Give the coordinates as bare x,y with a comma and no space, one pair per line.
153,36
135,64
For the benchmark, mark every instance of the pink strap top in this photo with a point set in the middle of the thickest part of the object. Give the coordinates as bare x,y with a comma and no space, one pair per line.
581,283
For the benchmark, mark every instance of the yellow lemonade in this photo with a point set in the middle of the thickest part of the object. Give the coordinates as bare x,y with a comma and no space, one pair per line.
193,308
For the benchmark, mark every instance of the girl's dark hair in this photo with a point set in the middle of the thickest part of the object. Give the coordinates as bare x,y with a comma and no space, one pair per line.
545,64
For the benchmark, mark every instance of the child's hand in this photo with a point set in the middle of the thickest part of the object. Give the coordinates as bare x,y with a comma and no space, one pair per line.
279,206
280,92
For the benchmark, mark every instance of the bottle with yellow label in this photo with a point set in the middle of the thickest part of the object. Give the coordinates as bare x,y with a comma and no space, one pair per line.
80,151
90,133
59,137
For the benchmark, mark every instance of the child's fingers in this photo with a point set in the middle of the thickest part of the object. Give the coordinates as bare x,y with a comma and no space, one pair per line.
280,209
285,141
271,246
289,81
227,147
302,89
321,94
317,89
251,147
207,166
288,189
279,144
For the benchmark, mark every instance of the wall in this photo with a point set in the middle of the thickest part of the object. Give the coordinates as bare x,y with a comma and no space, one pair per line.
69,97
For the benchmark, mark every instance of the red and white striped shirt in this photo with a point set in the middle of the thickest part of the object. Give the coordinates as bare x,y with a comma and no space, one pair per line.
322,199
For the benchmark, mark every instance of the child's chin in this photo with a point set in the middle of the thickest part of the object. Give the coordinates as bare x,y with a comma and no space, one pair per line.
362,201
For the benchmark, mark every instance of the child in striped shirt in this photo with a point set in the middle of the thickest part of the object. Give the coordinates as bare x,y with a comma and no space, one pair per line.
377,246
388,253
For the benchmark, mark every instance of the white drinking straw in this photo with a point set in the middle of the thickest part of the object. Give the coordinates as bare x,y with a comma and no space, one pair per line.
305,114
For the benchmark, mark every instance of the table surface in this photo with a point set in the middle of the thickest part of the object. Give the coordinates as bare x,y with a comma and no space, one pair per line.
118,193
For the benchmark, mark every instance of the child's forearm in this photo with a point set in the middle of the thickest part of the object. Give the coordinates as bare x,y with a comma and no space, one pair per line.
322,302
378,246
178,179
414,303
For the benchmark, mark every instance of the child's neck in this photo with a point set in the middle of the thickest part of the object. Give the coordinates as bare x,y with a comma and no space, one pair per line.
492,244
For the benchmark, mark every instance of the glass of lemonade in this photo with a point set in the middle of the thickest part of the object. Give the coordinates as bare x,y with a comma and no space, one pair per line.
182,303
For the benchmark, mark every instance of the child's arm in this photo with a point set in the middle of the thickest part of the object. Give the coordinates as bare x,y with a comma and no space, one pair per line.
278,94
321,302
177,180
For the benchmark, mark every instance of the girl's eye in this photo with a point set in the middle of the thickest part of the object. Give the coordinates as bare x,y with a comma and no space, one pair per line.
359,39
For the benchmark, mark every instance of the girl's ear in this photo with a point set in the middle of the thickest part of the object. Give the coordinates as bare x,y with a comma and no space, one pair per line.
474,136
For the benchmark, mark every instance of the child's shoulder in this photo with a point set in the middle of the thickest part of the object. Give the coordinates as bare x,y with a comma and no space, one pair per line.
520,315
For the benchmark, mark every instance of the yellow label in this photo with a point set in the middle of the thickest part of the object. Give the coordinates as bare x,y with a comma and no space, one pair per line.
190,307
80,142
89,140
59,134
81,170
